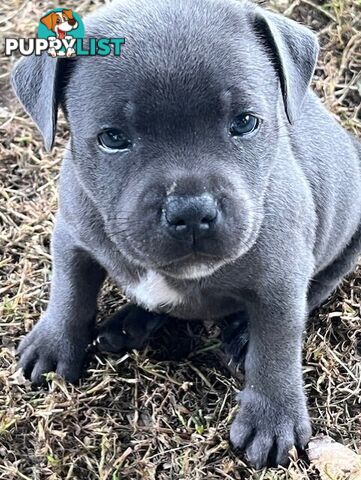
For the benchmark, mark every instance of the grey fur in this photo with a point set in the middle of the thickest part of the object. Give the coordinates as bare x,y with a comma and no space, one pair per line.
290,195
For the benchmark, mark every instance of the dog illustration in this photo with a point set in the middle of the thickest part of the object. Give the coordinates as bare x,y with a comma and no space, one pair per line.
60,23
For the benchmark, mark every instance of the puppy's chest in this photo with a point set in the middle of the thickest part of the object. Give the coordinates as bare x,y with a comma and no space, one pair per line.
155,293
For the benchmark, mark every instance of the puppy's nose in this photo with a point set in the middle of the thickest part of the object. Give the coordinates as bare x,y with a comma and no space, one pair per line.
72,21
190,216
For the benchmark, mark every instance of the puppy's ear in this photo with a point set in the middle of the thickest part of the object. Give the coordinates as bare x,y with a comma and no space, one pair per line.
34,80
68,13
294,50
49,20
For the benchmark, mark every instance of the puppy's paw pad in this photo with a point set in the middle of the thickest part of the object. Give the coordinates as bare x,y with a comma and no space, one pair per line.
110,342
127,329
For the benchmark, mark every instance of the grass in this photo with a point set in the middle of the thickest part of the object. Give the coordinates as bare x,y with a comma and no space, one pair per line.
146,416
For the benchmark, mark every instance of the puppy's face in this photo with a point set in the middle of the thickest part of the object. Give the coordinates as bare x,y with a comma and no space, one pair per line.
176,141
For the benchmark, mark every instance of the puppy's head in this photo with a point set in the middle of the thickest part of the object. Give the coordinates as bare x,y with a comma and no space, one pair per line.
175,140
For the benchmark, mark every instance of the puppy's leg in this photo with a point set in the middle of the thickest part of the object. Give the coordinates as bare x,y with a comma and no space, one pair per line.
326,281
128,328
59,340
273,415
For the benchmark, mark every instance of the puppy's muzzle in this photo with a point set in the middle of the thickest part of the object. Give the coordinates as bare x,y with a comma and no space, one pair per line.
190,218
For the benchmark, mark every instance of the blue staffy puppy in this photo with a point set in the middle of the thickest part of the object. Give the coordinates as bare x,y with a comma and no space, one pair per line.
207,180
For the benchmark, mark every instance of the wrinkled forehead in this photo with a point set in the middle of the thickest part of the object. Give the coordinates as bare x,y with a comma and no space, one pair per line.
199,66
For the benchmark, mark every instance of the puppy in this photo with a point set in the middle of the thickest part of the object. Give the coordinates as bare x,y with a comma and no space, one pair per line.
208,181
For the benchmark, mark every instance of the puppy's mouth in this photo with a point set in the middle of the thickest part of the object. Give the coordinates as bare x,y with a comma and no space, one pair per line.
183,262
193,239
192,266
66,27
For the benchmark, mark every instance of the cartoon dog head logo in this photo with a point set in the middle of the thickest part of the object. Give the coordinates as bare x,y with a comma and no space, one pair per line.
60,22
61,33
63,25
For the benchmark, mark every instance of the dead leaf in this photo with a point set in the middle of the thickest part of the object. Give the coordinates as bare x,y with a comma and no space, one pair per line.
333,460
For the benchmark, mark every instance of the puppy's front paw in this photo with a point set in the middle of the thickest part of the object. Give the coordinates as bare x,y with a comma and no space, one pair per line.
47,348
267,431
128,329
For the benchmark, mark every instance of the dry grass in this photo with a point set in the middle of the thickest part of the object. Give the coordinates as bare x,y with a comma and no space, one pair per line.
141,416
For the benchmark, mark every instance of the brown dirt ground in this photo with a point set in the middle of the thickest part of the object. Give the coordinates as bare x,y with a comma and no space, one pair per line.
140,416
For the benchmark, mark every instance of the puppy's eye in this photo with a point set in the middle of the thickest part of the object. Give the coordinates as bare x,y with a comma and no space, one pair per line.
244,124
112,140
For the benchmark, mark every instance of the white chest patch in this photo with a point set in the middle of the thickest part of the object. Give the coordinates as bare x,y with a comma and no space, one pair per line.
153,291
